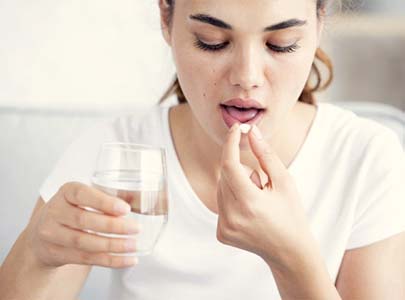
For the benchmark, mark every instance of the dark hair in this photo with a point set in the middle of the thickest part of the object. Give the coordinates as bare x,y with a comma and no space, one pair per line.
307,95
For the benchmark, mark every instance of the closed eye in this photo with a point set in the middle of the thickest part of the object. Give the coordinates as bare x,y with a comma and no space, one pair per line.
218,47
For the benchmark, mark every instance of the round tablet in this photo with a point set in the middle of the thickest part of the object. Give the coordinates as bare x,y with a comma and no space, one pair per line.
245,128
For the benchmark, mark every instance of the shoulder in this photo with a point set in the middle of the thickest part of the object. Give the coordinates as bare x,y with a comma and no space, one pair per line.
346,128
362,144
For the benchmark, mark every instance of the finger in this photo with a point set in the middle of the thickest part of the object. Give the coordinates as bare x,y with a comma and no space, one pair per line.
157,201
85,196
231,169
73,238
268,159
76,256
78,218
230,151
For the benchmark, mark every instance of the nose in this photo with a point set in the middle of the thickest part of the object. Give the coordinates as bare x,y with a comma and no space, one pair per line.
247,68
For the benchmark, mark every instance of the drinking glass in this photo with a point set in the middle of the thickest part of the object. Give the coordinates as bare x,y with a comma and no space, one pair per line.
136,174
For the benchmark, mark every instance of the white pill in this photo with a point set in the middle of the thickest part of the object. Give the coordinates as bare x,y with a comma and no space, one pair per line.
245,128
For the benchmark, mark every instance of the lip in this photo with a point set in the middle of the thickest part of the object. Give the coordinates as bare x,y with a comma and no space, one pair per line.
243,103
229,120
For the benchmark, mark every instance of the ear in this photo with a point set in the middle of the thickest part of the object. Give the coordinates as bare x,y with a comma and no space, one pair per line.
164,20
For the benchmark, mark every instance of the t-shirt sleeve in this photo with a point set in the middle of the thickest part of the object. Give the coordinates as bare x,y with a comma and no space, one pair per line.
77,162
380,211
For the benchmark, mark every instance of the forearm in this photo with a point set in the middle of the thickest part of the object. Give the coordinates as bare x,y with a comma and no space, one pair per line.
22,277
304,277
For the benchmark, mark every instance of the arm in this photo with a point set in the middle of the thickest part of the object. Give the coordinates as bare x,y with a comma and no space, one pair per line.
368,273
23,277
374,272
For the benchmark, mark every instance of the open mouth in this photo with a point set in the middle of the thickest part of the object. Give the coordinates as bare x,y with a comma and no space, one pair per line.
234,114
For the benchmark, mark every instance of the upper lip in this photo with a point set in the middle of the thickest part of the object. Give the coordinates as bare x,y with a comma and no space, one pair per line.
243,103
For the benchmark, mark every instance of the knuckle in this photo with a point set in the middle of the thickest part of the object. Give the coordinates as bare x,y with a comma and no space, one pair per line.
107,260
52,212
232,224
69,188
131,226
55,255
64,187
79,191
77,241
228,165
111,245
80,219
86,258
221,235
102,203
45,233
267,155
114,226
118,261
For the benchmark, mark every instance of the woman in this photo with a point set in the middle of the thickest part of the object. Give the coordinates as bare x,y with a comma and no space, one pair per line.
307,205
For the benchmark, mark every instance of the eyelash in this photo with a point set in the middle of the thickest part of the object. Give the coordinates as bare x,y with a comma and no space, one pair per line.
218,47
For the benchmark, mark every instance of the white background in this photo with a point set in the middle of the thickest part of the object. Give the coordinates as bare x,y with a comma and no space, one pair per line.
89,54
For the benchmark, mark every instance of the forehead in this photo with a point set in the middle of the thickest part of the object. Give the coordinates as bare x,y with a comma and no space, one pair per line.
249,14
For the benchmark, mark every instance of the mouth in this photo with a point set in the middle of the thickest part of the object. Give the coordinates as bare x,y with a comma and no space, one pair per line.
242,115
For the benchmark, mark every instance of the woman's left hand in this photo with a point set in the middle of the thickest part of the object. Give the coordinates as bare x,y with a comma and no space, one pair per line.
269,221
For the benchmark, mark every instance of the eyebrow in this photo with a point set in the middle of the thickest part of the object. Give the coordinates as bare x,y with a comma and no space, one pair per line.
221,24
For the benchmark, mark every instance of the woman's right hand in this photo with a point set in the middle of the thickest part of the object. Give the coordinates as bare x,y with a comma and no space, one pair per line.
57,236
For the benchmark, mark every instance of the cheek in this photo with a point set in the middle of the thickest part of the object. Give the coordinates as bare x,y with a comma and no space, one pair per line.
289,73
197,74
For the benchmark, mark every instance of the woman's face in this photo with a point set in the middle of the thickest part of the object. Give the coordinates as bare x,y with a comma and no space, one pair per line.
247,49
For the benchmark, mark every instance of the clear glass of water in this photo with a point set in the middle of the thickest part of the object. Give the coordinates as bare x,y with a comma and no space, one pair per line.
137,174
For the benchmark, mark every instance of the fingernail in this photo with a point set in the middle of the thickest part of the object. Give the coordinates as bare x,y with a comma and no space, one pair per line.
257,132
122,207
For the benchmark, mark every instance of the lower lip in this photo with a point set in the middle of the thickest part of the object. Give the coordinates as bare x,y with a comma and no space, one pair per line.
229,120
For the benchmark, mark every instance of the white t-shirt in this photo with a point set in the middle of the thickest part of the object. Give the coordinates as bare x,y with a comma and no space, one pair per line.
350,175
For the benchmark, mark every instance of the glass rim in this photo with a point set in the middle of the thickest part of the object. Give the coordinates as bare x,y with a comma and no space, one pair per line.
136,146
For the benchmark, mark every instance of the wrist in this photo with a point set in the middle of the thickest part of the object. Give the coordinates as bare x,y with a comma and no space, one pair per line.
302,274
30,259
287,257
22,275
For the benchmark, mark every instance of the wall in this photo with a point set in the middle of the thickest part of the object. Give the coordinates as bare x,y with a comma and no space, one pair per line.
82,54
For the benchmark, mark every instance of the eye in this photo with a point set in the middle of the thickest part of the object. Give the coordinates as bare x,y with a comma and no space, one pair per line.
217,47
289,49
208,47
